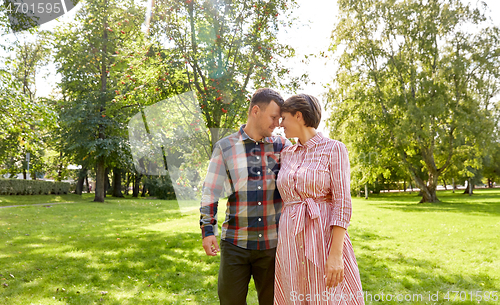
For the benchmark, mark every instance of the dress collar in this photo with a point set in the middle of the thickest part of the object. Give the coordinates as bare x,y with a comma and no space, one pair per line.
312,141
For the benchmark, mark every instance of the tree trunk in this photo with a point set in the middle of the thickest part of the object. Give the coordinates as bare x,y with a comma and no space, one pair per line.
133,184
144,189
453,184
100,193
427,190
366,190
137,181
100,187
107,183
87,183
429,193
81,179
59,171
117,182
24,174
470,188
127,183
429,196
444,184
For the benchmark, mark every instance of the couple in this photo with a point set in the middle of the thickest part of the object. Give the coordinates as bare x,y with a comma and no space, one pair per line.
304,187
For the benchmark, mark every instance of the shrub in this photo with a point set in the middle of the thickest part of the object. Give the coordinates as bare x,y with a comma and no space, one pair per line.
32,187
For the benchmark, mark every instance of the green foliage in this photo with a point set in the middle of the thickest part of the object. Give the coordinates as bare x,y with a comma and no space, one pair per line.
414,88
24,127
491,169
92,56
29,57
160,187
32,187
223,50
86,57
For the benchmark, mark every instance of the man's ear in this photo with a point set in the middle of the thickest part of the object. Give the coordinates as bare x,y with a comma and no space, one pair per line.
255,110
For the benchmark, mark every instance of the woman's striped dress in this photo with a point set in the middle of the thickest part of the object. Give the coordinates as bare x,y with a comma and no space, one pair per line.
314,184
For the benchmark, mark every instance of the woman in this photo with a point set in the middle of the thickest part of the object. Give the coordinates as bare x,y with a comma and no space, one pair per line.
315,262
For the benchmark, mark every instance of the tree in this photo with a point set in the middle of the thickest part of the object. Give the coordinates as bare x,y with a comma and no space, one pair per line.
223,49
491,170
219,51
24,127
89,60
415,84
29,57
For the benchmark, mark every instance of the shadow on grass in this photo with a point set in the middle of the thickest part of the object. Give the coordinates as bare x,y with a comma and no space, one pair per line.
124,252
483,202
383,270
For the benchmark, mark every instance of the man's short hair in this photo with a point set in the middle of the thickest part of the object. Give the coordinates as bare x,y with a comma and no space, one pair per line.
308,105
263,96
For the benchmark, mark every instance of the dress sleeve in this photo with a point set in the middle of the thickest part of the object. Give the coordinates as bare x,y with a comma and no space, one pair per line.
340,182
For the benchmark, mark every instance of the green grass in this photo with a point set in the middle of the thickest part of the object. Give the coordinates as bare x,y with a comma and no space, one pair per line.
147,251
404,248
36,199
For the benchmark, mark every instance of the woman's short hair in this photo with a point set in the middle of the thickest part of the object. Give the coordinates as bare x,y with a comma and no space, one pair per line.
263,96
308,105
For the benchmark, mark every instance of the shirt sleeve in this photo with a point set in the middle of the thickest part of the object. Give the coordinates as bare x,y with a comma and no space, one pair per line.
340,181
213,188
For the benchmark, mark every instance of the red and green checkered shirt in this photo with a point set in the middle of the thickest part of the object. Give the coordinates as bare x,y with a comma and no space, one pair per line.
245,171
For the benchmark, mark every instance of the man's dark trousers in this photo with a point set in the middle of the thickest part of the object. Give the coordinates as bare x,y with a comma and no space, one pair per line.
237,265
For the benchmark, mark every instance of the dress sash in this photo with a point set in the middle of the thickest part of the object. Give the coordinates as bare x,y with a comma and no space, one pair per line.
314,239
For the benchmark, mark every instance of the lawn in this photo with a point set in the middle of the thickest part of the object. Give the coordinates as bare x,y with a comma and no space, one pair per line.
148,251
38,199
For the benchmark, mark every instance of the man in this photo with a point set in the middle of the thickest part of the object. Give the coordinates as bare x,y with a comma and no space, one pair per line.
245,165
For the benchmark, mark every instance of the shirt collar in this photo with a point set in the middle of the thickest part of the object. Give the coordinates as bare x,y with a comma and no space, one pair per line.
244,136
312,141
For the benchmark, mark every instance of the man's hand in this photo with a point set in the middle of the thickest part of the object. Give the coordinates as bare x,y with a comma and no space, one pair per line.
210,245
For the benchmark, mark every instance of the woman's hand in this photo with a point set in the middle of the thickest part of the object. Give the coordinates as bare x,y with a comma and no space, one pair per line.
334,269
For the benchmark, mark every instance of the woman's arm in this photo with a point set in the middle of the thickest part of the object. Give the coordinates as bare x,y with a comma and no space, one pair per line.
342,208
334,269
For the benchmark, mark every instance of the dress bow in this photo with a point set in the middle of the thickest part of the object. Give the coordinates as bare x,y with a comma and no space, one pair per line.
314,240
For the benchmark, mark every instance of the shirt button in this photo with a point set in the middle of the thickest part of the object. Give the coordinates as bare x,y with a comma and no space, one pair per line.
260,235
260,219
258,158
258,173
260,203
258,187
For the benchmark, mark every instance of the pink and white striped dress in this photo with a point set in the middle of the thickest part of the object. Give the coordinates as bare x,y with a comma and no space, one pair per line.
314,184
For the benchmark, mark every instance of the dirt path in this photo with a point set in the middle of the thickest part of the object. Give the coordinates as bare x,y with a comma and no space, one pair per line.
35,204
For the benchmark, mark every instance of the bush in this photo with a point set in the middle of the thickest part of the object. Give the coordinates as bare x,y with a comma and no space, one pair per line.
160,187
32,187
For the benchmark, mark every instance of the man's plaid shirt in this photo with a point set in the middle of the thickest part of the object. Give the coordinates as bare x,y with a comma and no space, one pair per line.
245,171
